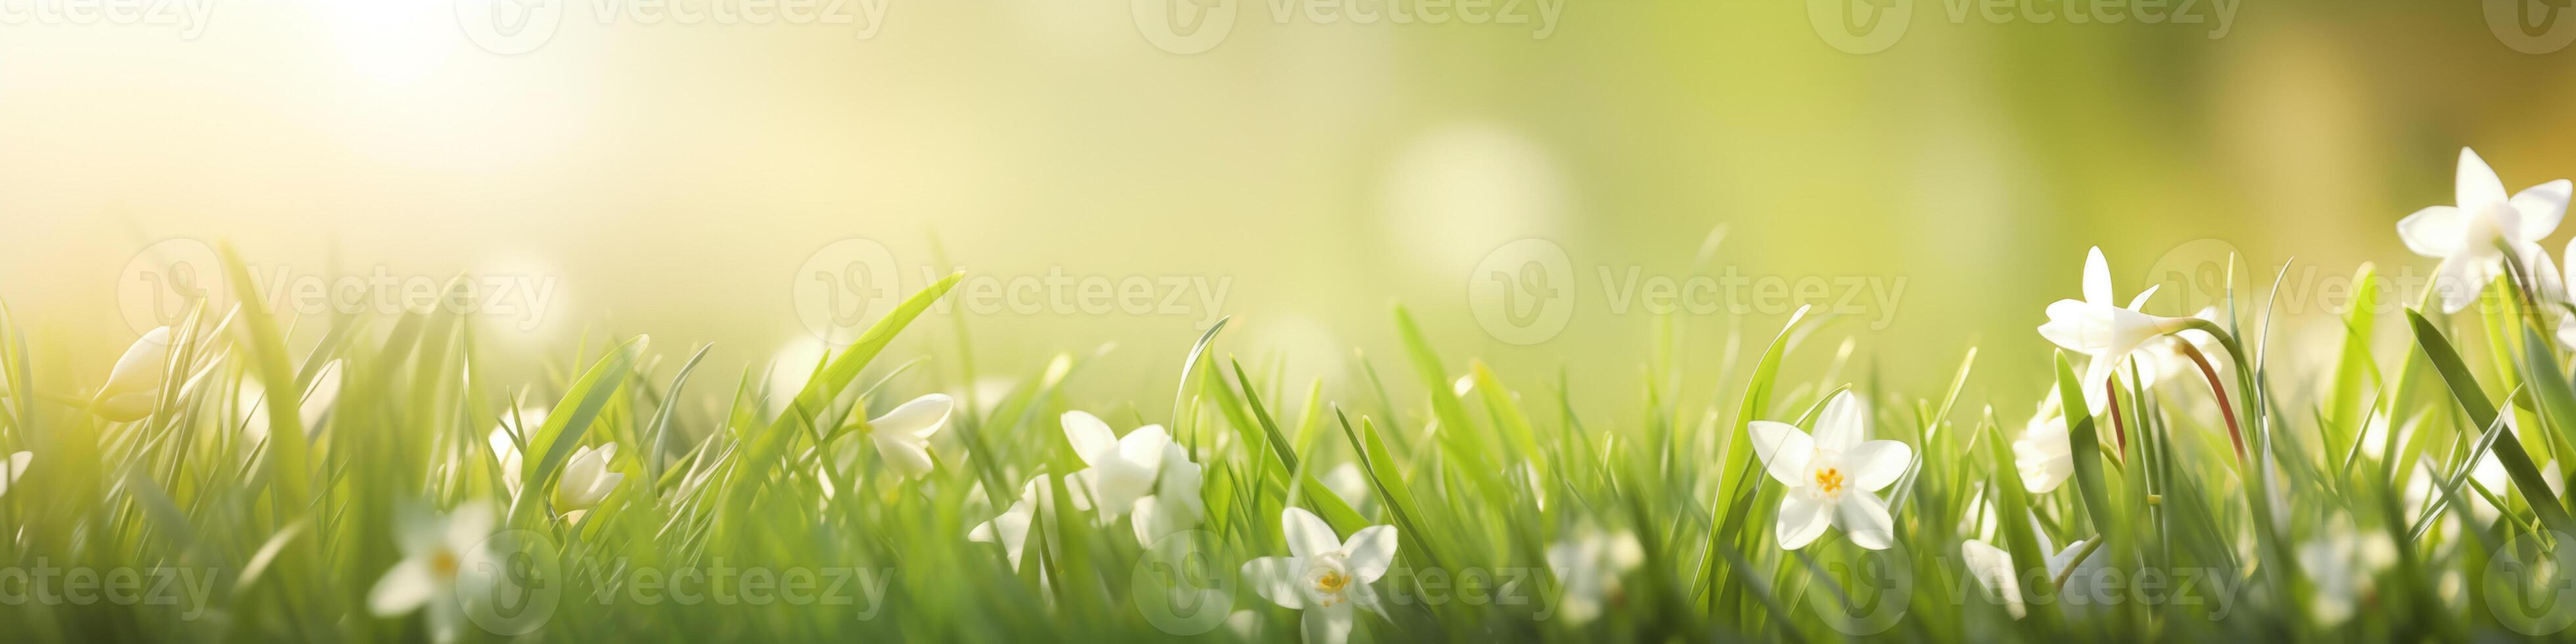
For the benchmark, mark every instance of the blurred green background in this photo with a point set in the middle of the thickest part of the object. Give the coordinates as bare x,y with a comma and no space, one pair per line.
675,178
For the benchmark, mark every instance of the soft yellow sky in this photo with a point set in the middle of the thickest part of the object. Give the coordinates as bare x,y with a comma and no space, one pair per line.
675,178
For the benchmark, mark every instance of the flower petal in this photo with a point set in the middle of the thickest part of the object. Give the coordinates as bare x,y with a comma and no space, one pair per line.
1091,438
1993,569
403,589
1876,464
1307,534
1801,520
2462,281
1144,447
2477,184
1327,624
1784,451
2435,231
1843,423
1275,578
2097,278
919,417
2541,206
1370,552
1864,517
908,454
2139,303
13,467
469,526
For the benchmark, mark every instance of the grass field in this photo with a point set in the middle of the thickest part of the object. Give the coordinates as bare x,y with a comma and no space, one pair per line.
2174,485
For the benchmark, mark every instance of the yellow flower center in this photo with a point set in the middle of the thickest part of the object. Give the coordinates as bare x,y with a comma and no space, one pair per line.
1332,582
442,564
1830,480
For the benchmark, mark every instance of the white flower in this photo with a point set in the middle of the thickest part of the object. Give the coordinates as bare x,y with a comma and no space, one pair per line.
902,435
1175,504
135,382
1589,568
1993,569
435,550
1323,575
1011,529
524,423
586,479
2466,235
2098,326
316,402
13,467
1832,475
1122,469
2043,454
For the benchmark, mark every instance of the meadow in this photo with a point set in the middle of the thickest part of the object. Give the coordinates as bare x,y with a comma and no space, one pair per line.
2174,484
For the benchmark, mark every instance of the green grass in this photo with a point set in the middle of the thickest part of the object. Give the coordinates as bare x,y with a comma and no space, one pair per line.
284,539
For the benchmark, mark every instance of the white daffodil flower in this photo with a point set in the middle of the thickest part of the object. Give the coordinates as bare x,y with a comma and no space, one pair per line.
2467,235
13,467
1832,475
1175,504
434,550
1993,569
135,382
1123,469
586,479
902,435
1011,529
1323,576
316,402
1589,568
2044,455
2099,327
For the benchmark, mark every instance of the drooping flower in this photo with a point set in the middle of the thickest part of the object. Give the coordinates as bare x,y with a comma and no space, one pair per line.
134,384
1323,575
586,479
1993,569
1122,469
2470,236
902,435
1011,529
2044,454
1832,475
522,423
13,467
1590,567
2100,327
1175,504
435,550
